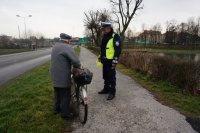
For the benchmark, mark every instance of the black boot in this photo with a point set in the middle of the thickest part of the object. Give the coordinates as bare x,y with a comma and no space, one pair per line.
56,112
110,97
68,117
104,91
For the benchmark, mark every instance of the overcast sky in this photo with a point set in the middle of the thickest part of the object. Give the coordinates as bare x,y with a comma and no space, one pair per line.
51,17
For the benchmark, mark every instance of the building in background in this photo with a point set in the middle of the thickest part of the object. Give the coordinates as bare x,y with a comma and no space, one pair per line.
150,37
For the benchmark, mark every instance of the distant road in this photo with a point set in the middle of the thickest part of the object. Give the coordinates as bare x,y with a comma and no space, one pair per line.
13,65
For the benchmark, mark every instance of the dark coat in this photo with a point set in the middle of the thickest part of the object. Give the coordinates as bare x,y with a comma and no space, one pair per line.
62,57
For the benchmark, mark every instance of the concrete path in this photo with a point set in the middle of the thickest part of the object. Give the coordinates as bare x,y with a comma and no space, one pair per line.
134,110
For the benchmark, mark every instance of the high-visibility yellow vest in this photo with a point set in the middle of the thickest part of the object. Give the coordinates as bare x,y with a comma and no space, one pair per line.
110,50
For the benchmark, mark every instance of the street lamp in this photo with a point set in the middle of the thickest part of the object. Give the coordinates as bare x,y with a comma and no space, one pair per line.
24,17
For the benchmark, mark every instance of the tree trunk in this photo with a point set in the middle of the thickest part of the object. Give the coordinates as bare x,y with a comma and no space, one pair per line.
122,36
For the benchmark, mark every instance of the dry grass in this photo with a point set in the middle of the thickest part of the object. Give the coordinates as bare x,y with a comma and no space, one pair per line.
184,74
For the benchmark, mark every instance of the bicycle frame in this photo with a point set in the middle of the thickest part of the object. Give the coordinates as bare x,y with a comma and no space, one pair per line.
83,90
84,93
79,95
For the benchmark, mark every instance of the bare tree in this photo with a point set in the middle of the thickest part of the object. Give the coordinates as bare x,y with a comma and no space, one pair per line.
198,25
183,33
144,29
157,27
92,23
182,27
4,41
39,35
191,25
156,33
30,33
171,31
193,31
125,10
129,34
89,35
171,25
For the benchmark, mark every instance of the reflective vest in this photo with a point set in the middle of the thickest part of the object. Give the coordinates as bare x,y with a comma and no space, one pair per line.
110,50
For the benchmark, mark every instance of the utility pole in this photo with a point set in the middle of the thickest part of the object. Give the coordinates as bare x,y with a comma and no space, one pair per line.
19,31
25,26
24,18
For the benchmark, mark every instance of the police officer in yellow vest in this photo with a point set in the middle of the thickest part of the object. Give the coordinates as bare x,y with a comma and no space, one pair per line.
110,52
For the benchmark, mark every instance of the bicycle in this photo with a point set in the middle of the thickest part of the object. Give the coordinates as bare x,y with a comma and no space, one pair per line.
80,98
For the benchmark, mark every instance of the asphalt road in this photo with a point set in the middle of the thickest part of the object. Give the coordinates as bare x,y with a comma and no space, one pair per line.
13,65
134,110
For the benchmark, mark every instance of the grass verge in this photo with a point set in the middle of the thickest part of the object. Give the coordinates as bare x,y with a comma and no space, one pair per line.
26,104
166,93
77,50
12,51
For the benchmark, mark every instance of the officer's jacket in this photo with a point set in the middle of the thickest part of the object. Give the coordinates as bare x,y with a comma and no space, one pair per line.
117,48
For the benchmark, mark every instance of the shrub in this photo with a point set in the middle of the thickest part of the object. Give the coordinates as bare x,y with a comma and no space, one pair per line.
184,74
138,61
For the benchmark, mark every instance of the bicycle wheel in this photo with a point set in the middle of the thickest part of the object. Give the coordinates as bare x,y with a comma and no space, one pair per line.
82,104
74,103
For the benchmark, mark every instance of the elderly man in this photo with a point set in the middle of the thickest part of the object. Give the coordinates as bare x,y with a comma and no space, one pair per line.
62,57
110,52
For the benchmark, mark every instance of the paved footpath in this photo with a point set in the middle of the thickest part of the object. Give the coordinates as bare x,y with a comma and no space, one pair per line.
134,110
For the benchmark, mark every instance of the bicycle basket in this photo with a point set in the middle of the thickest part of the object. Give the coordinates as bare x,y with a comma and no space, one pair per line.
82,76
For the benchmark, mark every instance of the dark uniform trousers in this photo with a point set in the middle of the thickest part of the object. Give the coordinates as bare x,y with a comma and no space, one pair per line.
62,97
109,76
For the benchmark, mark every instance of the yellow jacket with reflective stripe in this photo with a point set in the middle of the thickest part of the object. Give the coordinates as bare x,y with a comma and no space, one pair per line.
110,50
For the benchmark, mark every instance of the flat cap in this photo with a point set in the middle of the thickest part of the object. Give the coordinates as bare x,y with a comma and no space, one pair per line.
65,36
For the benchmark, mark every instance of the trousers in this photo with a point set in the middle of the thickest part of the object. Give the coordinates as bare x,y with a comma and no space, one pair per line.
109,76
62,97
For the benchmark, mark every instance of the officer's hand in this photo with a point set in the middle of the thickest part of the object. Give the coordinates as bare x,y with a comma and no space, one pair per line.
114,66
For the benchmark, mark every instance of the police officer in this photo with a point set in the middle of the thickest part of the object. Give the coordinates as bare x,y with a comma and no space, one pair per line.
109,56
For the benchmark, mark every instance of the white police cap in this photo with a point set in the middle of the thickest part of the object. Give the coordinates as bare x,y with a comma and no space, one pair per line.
106,24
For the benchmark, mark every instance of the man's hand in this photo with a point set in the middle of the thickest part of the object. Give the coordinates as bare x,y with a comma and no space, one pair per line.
114,66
